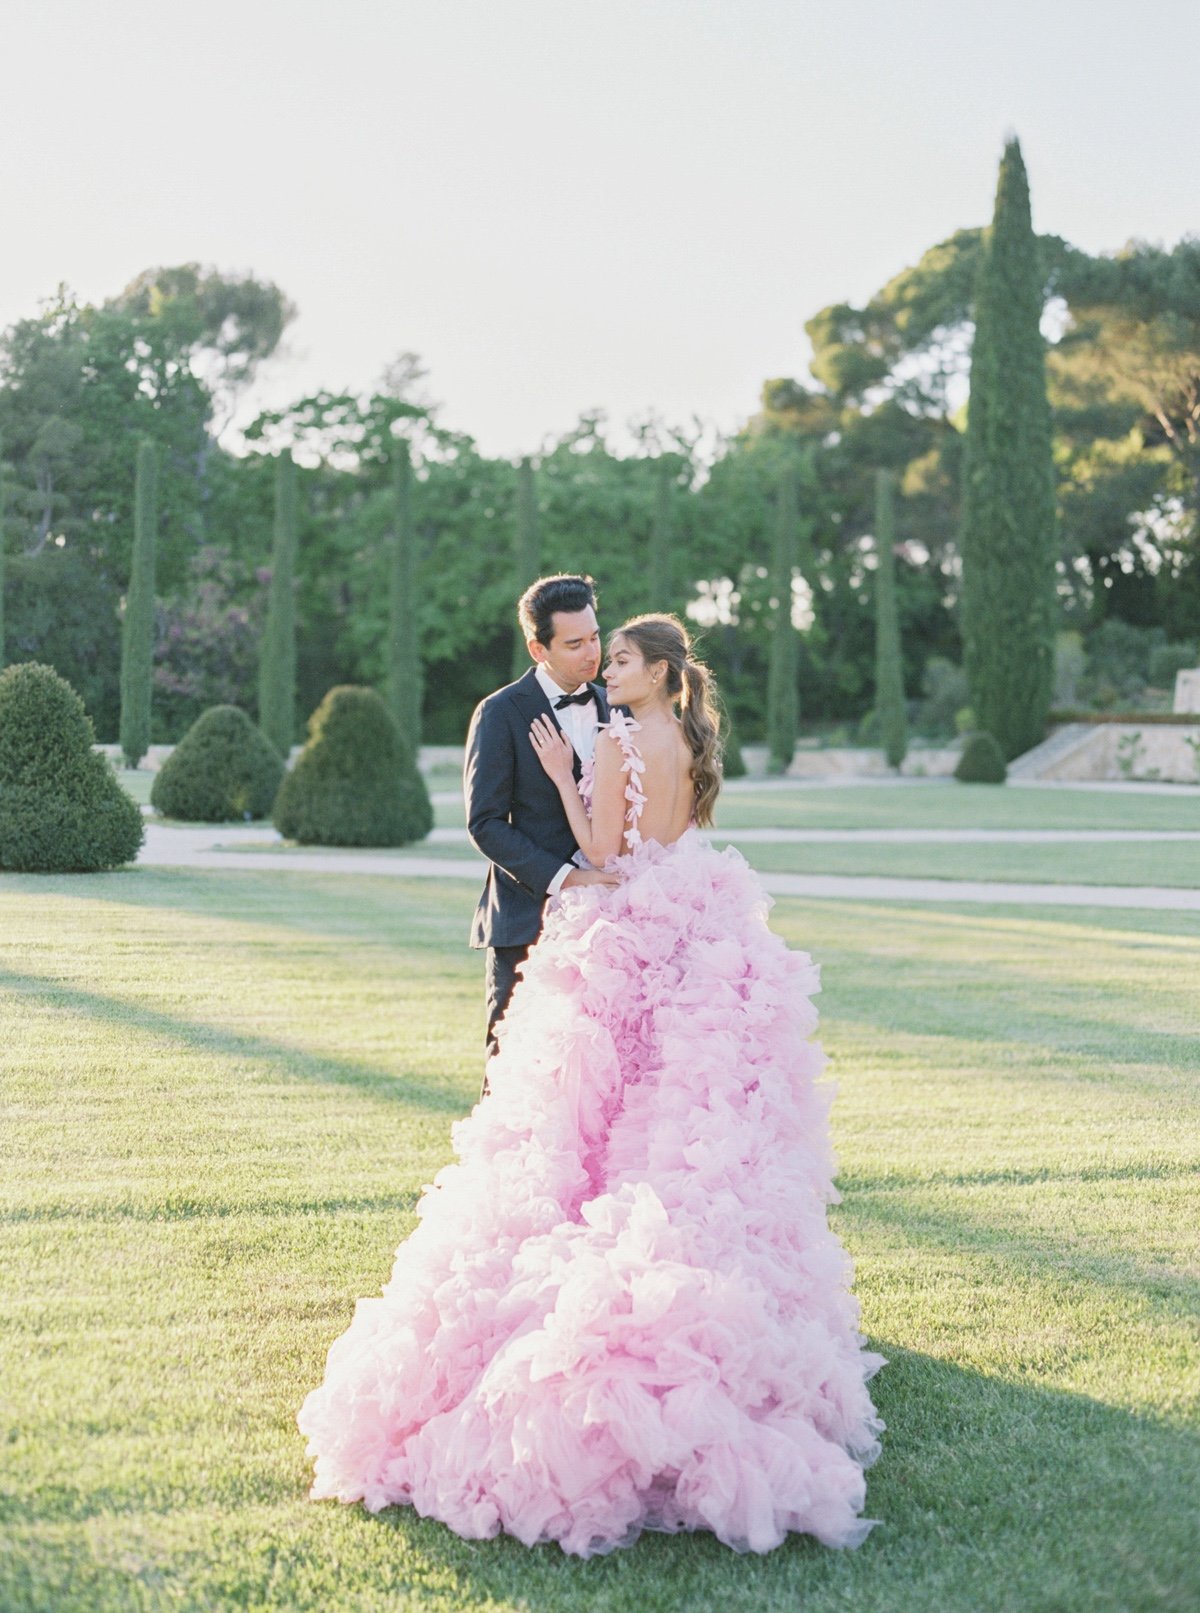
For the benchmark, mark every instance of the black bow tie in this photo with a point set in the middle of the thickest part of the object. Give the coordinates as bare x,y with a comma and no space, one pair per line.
580,699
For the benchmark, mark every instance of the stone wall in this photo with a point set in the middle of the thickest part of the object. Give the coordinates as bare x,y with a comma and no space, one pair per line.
1167,752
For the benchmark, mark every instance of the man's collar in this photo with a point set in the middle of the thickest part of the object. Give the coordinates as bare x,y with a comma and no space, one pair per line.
550,688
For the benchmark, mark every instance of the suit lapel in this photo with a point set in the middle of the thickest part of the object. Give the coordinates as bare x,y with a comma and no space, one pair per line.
531,697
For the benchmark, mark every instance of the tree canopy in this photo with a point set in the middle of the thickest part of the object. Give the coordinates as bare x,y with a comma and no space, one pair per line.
648,507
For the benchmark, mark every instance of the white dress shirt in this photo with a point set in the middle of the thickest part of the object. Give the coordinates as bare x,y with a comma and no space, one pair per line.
580,724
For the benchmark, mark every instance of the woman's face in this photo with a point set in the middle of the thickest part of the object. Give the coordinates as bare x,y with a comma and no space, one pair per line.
629,679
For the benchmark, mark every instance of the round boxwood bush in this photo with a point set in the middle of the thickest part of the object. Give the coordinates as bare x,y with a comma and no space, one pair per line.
61,808
355,783
224,768
981,762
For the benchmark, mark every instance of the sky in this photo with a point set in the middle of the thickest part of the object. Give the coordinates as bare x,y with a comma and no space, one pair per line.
570,205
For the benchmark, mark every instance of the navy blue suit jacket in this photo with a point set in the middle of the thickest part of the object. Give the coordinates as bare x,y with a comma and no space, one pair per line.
514,814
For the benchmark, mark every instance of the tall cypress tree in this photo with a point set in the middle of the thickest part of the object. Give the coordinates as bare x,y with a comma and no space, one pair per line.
1,554
661,536
277,666
526,551
137,629
889,665
404,653
783,696
1009,608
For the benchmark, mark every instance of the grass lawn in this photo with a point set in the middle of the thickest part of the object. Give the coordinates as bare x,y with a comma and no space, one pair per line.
936,804
1108,863
136,781
945,804
221,1094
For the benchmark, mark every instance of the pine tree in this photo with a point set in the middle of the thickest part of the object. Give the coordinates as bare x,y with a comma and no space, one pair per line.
889,665
661,537
783,697
404,652
1008,537
277,667
527,551
137,630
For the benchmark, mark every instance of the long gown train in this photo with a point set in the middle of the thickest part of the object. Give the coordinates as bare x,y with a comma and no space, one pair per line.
623,1307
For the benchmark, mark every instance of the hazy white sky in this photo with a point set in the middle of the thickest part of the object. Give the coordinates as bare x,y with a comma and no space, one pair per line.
569,204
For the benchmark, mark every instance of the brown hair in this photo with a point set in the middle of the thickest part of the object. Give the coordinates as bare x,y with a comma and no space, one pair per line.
665,638
537,605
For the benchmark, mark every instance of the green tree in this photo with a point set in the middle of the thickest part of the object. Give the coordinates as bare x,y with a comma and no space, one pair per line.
277,668
661,538
137,629
1,554
404,649
527,553
1009,607
783,694
889,665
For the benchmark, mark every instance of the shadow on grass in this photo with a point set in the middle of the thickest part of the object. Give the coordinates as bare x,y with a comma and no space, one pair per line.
996,1247
405,1088
991,1495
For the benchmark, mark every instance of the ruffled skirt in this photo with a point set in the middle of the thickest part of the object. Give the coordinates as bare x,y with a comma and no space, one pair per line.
623,1307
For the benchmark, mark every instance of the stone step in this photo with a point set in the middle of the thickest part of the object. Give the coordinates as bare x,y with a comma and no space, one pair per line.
1061,743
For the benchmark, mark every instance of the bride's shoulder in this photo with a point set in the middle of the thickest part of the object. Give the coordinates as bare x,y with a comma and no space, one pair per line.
620,729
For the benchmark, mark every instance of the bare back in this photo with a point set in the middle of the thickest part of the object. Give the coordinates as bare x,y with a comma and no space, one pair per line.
666,781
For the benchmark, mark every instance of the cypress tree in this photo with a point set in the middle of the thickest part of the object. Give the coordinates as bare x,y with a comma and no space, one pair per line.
1008,539
277,666
661,535
783,698
137,630
1,554
404,652
527,553
889,665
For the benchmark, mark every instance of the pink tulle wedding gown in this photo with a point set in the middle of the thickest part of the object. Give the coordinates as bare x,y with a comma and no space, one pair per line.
622,1307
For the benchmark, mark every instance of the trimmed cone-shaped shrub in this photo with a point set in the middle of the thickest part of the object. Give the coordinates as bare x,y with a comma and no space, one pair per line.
224,768
355,783
61,808
982,761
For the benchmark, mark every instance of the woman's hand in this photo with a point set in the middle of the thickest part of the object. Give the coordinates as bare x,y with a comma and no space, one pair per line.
554,750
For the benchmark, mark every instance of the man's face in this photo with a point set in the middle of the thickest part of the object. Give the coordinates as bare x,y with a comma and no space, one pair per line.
572,656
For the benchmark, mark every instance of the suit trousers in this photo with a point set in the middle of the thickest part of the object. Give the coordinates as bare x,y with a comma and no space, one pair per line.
503,966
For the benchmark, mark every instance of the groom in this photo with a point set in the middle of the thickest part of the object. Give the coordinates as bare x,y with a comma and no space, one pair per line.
514,814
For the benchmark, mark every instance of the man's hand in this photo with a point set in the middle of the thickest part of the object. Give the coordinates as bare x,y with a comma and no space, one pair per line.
589,876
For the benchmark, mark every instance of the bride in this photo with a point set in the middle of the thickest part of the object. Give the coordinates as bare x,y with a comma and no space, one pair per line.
623,1307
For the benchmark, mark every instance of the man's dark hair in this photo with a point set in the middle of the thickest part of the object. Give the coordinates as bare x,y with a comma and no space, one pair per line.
537,605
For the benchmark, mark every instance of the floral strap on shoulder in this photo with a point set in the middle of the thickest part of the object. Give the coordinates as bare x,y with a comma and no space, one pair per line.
622,729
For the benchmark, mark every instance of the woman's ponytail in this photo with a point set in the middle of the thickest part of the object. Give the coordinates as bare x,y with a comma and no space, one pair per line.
702,729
